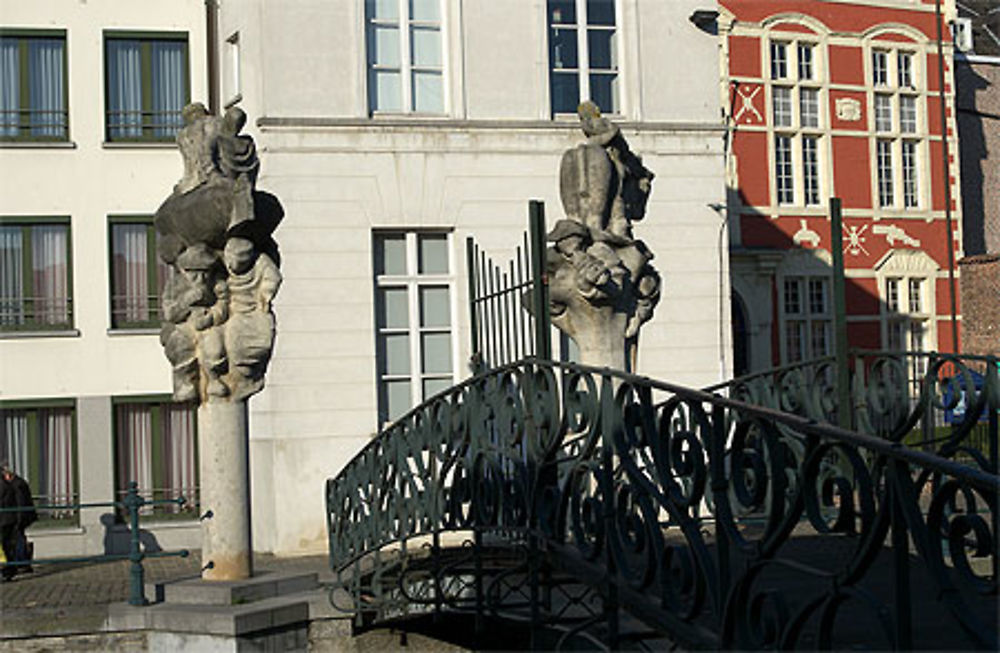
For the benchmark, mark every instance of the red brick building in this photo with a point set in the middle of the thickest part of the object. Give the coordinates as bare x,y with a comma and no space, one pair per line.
835,98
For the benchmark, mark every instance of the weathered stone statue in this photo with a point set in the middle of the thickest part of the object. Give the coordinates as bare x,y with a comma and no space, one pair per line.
601,285
214,230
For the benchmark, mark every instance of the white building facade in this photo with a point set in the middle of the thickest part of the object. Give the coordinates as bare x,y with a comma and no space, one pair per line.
391,130
89,100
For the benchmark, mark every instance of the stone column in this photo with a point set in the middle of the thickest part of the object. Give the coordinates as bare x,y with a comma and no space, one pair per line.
225,491
218,328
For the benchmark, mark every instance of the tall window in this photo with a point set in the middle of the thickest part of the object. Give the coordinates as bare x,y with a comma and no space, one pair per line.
583,55
907,319
35,283
797,119
39,441
147,85
806,314
33,85
414,286
405,60
156,446
897,127
137,274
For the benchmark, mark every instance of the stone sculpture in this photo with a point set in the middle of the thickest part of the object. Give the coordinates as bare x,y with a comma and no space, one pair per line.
214,231
601,285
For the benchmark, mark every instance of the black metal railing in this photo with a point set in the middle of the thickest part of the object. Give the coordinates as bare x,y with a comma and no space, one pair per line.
508,308
604,508
133,504
937,402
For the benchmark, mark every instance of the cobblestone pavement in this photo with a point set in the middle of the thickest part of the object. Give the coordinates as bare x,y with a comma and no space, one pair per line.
55,590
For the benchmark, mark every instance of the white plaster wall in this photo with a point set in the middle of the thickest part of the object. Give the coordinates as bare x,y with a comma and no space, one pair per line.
336,184
88,183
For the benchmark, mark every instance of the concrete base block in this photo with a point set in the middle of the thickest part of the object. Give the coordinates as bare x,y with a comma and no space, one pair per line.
202,592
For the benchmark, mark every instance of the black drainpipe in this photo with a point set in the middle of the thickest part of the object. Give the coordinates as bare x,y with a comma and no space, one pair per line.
947,179
212,43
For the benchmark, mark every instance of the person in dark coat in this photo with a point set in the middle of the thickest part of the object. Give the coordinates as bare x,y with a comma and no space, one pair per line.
19,548
8,524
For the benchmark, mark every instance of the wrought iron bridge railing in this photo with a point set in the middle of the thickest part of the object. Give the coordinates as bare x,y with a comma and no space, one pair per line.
599,509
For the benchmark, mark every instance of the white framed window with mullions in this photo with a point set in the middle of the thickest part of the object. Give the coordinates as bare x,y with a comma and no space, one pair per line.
406,51
897,122
414,318
583,55
797,121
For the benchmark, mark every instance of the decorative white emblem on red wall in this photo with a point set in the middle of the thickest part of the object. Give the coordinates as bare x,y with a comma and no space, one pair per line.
854,240
895,234
805,235
747,108
848,109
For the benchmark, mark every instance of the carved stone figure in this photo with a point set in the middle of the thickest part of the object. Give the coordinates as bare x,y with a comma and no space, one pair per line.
214,231
601,285
218,327
253,282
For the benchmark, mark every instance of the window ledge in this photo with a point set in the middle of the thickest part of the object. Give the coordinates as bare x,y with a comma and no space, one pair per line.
37,145
169,524
140,331
139,145
56,531
67,333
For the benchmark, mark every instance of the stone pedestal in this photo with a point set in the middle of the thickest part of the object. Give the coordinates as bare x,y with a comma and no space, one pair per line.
225,490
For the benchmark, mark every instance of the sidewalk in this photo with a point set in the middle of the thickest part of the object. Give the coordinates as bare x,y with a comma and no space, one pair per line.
74,598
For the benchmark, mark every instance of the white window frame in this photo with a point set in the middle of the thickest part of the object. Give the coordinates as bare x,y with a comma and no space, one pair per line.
583,70
412,280
890,124
896,273
232,89
801,267
793,116
407,67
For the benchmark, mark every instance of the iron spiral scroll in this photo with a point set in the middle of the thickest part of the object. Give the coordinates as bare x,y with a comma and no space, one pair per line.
611,510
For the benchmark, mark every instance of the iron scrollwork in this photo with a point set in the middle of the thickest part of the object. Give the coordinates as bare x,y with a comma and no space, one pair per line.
584,501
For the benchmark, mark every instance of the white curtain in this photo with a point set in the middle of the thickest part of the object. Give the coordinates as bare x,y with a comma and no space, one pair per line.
124,89
168,86
130,277
51,274
55,429
10,86
14,441
45,66
179,444
11,276
134,431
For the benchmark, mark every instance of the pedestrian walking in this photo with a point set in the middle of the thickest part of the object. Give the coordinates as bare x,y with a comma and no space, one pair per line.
8,525
16,545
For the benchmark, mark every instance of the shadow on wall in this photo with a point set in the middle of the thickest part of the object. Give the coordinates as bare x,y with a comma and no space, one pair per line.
974,155
783,309
118,537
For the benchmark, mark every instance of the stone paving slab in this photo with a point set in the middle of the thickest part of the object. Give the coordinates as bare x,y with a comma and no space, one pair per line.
68,598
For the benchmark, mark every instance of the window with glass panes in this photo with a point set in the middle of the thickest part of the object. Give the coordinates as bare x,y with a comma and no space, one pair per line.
796,86
414,290
33,85
146,85
155,446
897,125
137,273
583,55
38,440
906,316
35,274
405,56
806,318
